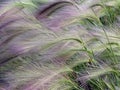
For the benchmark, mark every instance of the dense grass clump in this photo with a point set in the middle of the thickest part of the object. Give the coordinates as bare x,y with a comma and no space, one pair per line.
60,45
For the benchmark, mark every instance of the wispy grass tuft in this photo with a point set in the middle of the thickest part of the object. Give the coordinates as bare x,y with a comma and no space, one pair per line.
64,50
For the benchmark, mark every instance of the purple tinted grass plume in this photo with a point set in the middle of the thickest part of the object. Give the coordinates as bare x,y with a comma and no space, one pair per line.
22,33
6,19
35,76
54,14
16,29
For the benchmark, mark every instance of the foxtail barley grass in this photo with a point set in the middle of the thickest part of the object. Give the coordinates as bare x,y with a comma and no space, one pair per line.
60,45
